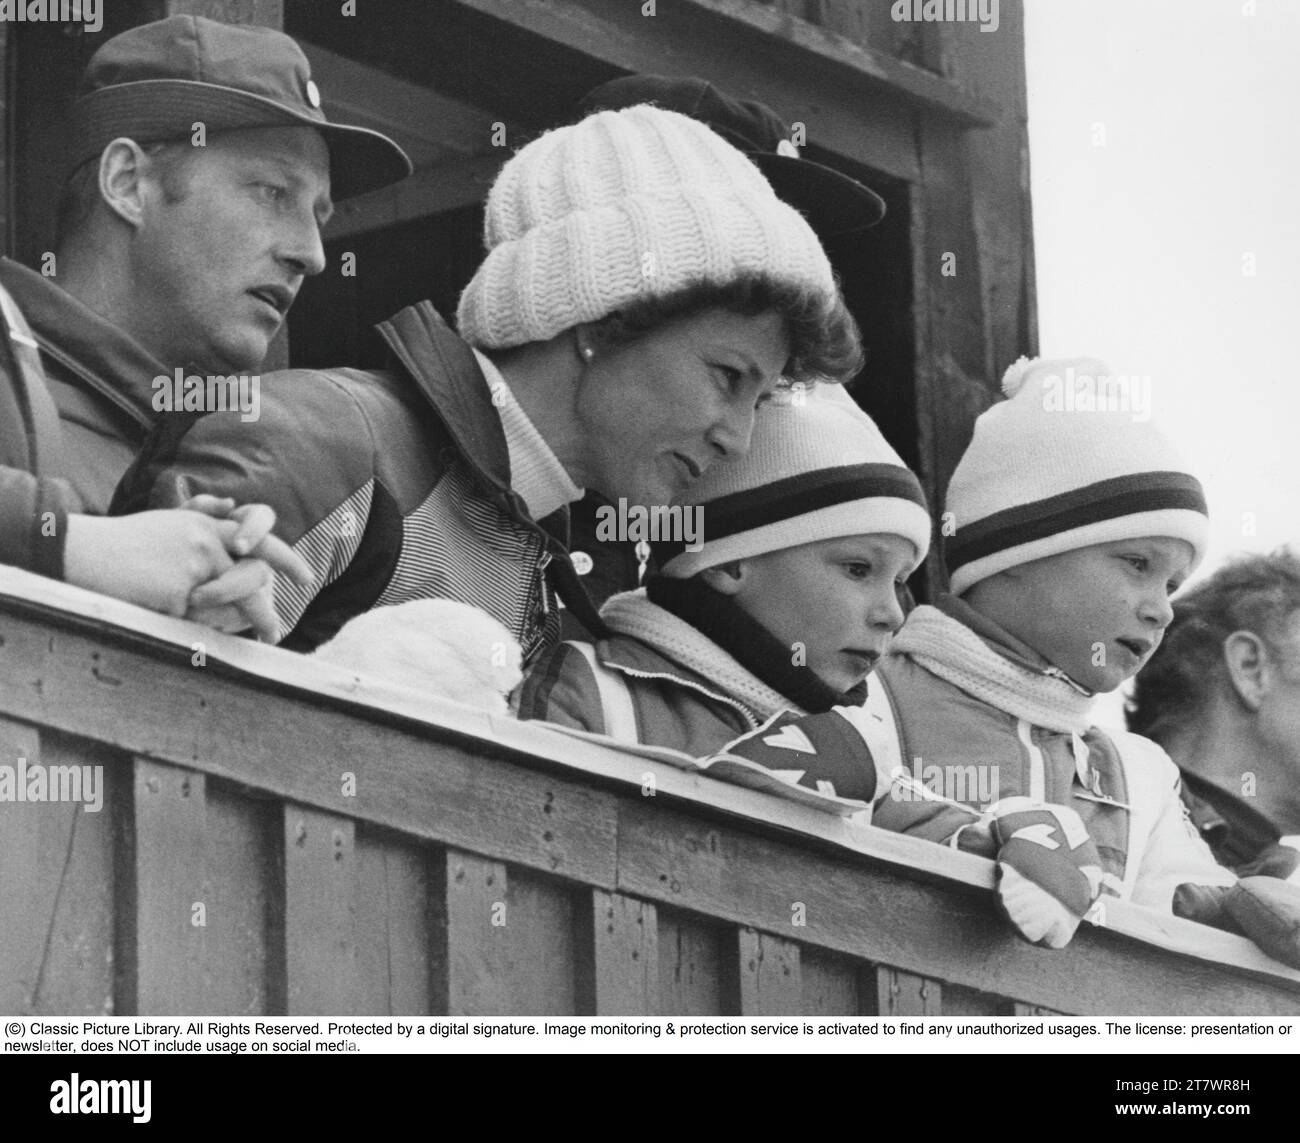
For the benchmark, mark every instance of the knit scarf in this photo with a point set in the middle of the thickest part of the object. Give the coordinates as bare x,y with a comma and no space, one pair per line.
732,628
948,648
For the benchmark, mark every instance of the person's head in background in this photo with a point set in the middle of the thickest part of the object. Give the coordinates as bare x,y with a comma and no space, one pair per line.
834,204
202,171
811,536
1222,694
644,290
1073,521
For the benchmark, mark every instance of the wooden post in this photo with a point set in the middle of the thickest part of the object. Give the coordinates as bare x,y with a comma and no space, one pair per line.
320,886
618,972
469,953
901,993
168,915
769,979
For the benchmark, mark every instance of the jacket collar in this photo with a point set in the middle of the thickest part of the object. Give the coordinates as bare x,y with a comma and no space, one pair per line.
659,644
94,350
446,371
448,374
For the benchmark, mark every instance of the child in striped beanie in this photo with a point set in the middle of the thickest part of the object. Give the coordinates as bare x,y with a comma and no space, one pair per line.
783,601
1070,520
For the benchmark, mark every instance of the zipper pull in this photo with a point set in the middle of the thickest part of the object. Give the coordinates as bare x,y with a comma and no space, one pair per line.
542,565
642,558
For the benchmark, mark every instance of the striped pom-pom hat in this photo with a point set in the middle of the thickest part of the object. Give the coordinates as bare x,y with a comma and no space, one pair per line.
1069,459
627,204
817,468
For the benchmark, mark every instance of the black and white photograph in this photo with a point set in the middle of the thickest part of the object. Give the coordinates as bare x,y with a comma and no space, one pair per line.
675,527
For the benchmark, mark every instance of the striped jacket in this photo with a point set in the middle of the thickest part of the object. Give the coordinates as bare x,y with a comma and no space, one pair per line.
394,486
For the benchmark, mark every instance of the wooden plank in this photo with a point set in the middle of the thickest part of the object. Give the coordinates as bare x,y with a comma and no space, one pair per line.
244,966
165,905
34,845
430,190
836,50
693,967
1018,1009
57,889
938,931
961,1001
830,983
541,938
770,983
392,925
320,882
855,110
900,993
459,791
469,950
619,966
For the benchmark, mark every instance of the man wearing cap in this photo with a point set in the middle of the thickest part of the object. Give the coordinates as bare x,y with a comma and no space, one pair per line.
835,205
202,169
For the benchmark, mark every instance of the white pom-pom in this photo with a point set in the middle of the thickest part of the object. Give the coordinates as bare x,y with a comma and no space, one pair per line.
1014,377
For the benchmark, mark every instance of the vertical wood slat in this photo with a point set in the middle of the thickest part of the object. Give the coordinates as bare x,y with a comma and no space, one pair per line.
468,954
244,940
900,993
1020,1009
692,976
57,881
320,895
164,958
619,968
541,944
830,983
770,983
392,927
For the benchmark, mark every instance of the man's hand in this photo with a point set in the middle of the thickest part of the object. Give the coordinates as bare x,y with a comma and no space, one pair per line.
209,561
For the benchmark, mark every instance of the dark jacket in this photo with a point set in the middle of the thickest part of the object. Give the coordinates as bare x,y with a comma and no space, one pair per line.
34,498
1238,835
100,380
394,486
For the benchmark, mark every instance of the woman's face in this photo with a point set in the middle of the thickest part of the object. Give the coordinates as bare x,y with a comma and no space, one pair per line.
657,413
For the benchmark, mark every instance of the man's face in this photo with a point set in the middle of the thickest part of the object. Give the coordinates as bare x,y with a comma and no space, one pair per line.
655,414
1279,710
214,272
1098,613
834,603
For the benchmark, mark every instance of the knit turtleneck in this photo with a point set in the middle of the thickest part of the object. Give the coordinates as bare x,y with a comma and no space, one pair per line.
985,662
747,641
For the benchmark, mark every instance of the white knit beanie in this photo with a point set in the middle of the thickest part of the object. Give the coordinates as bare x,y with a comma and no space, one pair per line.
626,204
818,468
1068,460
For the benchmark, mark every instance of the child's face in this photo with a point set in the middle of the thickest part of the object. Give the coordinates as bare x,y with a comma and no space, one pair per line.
1100,612
834,603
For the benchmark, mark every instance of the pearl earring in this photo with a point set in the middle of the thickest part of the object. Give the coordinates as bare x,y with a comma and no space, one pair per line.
588,352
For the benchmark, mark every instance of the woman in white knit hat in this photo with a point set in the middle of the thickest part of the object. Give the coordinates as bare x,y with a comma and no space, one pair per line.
644,289
784,603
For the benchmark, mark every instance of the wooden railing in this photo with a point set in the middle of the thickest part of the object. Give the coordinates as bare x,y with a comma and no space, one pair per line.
278,836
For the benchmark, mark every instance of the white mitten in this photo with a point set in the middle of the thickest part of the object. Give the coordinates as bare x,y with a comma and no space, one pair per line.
1049,871
438,646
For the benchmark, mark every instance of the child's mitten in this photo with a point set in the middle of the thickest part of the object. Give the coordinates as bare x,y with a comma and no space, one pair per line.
822,751
1049,871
